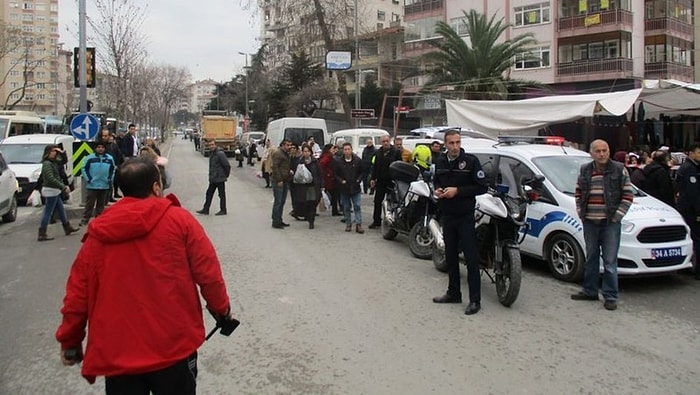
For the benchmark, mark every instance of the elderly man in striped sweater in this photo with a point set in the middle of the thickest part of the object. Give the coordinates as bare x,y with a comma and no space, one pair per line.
603,196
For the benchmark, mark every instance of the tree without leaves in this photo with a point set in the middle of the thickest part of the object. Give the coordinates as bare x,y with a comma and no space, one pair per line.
477,70
120,43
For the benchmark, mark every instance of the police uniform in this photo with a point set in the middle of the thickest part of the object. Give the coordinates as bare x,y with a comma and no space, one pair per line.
688,186
457,217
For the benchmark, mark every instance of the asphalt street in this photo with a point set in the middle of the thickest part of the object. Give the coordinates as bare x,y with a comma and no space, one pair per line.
328,312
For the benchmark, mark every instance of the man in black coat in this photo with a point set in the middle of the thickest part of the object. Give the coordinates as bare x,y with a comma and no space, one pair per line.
380,178
367,155
219,170
657,179
688,187
130,143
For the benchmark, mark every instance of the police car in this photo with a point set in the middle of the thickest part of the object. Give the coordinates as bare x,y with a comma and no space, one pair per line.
655,239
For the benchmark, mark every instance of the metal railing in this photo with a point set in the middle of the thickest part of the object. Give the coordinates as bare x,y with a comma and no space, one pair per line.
595,66
613,17
668,70
669,24
423,6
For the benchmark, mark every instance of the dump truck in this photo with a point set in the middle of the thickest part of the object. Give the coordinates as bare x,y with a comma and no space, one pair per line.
221,127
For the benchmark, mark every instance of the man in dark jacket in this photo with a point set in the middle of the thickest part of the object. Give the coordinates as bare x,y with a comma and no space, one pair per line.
130,143
219,170
281,176
458,180
380,178
688,187
348,174
657,179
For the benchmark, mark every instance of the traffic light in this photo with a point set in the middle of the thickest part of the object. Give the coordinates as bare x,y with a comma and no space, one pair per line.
89,64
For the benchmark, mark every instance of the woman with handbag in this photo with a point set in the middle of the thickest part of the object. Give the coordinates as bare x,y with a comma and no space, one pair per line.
308,181
51,190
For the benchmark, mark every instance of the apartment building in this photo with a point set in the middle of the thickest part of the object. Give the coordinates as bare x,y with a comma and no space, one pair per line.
201,93
287,25
38,21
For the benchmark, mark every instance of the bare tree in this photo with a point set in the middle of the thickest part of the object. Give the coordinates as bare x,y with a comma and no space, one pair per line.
117,28
168,86
26,54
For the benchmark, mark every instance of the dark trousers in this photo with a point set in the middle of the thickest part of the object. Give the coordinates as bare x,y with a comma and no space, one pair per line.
95,202
177,379
380,188
458,231
335,199
366,171
221,186
695,236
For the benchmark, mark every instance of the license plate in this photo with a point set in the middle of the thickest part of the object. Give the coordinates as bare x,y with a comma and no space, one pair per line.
666,253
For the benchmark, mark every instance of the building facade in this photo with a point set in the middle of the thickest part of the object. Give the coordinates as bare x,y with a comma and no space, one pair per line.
32,66
201,93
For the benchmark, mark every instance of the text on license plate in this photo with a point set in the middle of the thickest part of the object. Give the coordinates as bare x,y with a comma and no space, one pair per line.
666,253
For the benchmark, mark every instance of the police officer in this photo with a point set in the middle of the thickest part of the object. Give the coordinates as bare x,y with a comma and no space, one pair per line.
458,180
688,187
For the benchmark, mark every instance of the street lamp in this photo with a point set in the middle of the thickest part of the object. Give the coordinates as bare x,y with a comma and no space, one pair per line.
246,82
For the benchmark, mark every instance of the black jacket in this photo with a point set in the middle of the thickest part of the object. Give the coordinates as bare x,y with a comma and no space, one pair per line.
657,182
219,168
127,146
688,187
466,174
382,160
348,175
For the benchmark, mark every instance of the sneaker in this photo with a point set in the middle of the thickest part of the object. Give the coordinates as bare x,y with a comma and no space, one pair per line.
610,305
583,296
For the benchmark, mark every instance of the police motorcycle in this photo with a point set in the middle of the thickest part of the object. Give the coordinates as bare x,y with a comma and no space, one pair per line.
410,204
501,225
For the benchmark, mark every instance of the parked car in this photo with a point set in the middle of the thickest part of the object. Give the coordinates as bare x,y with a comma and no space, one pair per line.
655,239
8,192
23,155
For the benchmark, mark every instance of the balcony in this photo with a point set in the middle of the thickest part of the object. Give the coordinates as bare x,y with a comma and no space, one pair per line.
591,70
670,26
423,6
604,21
666,70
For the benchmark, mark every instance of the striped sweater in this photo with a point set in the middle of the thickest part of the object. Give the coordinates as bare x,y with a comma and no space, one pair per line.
596,207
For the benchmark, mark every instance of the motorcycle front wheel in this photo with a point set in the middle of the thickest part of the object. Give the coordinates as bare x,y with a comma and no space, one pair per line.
508,281
420,241
439,259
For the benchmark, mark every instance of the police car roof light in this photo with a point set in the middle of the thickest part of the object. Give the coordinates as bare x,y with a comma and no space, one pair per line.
550,140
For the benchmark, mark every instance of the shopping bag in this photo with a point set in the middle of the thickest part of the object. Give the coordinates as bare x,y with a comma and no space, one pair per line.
321,208
326,200
302,175
34,198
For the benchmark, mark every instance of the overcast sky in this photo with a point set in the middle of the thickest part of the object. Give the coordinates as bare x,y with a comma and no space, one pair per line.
204,36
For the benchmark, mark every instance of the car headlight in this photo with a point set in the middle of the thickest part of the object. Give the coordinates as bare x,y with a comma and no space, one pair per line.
627,226
35,175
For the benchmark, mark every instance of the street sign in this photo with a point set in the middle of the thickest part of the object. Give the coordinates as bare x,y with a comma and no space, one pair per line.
84,126
81,149
401,109
338,60
362,113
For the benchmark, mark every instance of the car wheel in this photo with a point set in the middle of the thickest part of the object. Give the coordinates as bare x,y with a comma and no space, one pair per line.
564,257
11,215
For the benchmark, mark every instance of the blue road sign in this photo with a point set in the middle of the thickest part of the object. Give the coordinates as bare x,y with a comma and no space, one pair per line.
84,127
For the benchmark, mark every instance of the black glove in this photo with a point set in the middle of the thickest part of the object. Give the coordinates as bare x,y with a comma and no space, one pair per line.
73,354
227,323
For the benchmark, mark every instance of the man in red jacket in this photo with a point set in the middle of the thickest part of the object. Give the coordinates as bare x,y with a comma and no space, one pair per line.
134,285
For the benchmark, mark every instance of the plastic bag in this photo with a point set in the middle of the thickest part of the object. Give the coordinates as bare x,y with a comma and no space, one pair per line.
303,175
326,200
34,198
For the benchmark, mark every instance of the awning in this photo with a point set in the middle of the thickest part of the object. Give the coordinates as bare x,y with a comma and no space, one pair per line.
670,97
527,116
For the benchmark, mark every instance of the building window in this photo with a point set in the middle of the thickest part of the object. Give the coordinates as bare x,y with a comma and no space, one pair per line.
28,6
41,85
14,4
14,85
381,16
14,17
422,29
534,14
28,28
28,17
54,7
14,96
40,18
40,7
609,49
459,25
536,58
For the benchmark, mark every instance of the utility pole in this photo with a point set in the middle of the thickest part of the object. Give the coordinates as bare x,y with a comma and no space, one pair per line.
245,68
82,72
358,88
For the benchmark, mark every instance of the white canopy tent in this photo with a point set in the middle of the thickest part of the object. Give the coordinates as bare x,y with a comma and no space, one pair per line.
670,97
507,117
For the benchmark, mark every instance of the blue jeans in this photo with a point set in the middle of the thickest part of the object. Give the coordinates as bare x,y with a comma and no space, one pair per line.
602,239
280,196
52,203
356,206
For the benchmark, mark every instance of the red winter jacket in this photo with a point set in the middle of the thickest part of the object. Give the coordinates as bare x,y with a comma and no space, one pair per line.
326,162
134,284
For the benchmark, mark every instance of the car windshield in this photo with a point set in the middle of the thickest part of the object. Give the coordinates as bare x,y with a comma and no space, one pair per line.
22,153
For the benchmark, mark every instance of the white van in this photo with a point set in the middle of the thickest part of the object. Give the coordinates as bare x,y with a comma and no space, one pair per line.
298,130
17,123
23,155
358,138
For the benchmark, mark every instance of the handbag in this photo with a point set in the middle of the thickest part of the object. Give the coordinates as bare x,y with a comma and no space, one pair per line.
302,175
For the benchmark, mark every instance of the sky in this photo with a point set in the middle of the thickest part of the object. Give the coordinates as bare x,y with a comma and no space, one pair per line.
204,36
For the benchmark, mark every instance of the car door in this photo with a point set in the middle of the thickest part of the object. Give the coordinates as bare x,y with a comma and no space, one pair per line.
7,186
